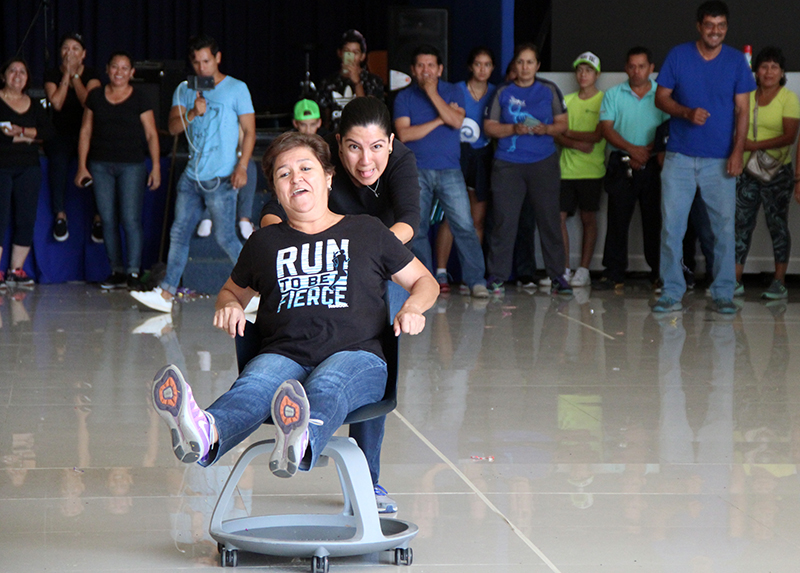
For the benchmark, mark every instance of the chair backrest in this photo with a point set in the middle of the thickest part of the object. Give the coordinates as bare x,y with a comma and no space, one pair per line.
249,345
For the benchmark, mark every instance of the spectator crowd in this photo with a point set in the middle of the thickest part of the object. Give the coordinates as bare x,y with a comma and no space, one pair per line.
477,166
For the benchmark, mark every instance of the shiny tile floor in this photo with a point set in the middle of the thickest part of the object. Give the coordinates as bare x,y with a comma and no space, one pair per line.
533,434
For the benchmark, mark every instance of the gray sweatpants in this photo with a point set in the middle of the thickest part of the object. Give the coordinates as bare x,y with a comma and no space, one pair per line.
512,184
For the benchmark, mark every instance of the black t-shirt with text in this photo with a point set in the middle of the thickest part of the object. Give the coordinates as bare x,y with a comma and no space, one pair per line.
322,293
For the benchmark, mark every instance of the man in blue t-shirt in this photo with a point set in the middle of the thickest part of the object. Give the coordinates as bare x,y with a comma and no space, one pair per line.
704,86
428,117
216,170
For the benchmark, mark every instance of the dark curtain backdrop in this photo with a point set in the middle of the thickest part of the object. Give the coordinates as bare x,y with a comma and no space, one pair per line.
260,40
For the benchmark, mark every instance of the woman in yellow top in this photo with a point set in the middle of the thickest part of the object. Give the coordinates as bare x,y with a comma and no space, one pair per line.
775,112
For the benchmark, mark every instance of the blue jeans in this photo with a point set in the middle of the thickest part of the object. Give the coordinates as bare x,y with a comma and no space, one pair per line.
369,434
246,195
448,186
341,383
119,190
191,199
680,178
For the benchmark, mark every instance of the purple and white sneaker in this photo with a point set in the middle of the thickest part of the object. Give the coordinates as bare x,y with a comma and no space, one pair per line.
290,414
188,425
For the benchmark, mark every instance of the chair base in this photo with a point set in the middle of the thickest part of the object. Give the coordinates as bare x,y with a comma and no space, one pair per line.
358,530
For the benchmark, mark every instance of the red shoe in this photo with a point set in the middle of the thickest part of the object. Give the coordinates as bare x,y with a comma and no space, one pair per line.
444,285
19,277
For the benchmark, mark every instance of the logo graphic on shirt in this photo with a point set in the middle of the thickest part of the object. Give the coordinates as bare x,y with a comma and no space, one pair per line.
205,135
345,98
470,131
515,111
314,274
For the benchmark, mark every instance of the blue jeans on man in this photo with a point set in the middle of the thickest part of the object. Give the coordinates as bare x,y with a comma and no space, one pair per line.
342,383
192,198
447,185
123,185
680,178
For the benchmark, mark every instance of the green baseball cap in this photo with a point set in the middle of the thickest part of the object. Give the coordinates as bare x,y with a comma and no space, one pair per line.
587,58
306,109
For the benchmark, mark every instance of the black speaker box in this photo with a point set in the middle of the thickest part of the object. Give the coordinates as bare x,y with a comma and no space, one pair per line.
412,27
158,80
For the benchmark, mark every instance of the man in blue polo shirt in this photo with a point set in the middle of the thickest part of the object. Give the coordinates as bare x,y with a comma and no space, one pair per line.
628,121
704,86
428,117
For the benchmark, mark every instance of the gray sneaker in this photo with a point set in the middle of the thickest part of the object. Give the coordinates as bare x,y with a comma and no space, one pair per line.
776,291
738,290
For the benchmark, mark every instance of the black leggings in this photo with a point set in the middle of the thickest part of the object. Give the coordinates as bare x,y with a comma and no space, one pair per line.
19,189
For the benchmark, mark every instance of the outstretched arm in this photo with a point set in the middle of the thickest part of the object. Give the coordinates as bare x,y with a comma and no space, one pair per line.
231,302
423,290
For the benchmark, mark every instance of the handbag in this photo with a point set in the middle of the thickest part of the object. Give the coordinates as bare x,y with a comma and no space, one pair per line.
762,166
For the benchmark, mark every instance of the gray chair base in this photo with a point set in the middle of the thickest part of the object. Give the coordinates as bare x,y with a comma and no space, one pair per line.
358,530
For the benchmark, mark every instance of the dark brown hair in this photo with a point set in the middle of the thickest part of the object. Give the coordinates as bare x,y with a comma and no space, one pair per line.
291,140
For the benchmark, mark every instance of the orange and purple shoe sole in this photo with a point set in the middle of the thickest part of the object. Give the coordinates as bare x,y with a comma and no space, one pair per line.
290,414
188,425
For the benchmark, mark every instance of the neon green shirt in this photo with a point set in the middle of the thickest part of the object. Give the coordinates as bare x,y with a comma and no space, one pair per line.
770,120
583,115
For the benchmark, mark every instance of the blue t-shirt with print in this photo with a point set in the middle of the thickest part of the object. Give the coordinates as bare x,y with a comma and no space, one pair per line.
541,102
214,136
472,128
711,85
441,148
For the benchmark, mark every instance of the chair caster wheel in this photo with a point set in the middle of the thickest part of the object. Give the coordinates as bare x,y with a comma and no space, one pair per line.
320,564
229,558
403,556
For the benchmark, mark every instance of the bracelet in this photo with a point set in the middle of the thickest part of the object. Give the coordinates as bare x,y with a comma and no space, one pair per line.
186,117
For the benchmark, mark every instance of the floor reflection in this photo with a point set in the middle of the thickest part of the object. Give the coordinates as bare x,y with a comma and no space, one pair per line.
604,436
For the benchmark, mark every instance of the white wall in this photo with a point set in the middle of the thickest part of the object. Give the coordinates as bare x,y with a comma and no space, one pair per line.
760,257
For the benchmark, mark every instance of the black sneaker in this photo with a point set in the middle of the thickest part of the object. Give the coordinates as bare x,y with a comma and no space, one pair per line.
559,285
60,230
133,282
495,285
97,232
606,283
526,281
114,280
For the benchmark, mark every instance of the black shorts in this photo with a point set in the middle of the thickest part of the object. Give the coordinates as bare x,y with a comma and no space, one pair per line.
583,194
476,165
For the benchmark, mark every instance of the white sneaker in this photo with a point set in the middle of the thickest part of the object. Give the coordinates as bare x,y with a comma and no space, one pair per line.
581,278
545,282
480,291
153,299
246,228
252,306
204,228
154,325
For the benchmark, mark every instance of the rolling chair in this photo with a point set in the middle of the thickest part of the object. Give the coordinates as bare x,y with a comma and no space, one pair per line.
357,530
